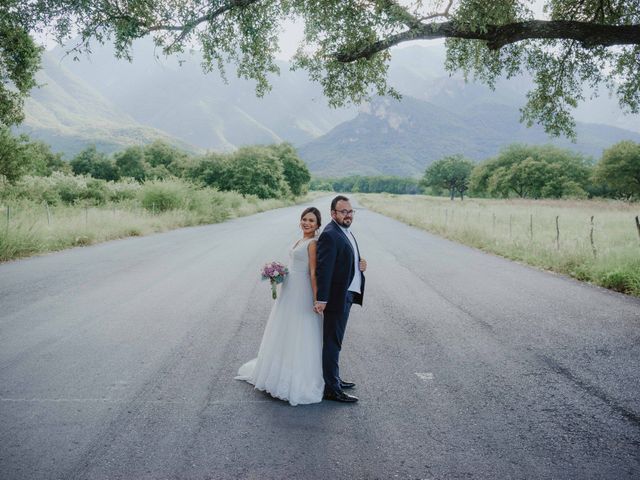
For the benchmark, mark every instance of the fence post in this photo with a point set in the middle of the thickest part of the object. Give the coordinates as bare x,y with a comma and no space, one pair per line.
48,213
86,216
494,221
638,225
593,246
531,226
557,233
8,217
510,225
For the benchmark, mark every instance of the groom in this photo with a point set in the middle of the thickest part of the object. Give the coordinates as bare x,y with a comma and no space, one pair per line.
340,281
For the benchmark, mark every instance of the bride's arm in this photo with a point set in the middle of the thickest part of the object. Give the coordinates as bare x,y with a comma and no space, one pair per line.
312,269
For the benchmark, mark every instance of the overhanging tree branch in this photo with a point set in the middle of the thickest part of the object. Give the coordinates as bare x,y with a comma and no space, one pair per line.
208,17
588,34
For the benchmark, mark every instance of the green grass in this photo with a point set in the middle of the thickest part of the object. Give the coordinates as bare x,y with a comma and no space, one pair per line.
525,231
155,207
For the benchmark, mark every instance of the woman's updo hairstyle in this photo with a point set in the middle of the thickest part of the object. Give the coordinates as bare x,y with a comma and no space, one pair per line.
315,211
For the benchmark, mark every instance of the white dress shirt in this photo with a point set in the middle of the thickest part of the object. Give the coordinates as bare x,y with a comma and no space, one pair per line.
356,283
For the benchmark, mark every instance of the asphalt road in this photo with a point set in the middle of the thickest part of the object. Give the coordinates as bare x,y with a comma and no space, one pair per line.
117,362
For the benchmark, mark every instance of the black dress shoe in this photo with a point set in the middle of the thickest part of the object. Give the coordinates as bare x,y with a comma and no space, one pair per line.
339,397
344,384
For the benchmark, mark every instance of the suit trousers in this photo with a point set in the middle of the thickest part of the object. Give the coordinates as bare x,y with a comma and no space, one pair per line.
334,326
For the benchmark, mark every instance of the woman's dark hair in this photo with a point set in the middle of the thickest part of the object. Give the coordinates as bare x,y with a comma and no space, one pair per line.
315,211
335,201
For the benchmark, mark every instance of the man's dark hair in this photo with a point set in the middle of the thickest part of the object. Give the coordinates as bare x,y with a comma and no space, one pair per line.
335,201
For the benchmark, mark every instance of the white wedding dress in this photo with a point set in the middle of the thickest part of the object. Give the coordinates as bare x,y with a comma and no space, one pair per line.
289,363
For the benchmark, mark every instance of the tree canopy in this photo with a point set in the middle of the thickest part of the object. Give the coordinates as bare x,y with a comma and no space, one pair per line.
532,171
451,173
619,169
573,45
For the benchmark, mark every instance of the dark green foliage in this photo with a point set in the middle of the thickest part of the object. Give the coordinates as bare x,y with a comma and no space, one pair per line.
131,163
159,196
295,172
373,184
96,192
618,171
532,172
258,171
273,171
213,170
625,280
13,158
346,47
451,173
161,153
91,162
21,156
43,161
19,62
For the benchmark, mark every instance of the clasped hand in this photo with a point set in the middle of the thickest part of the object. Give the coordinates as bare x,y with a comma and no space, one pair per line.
363,265
319,307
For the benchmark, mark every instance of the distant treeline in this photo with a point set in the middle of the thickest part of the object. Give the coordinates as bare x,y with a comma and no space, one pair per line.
271,171
371,184
276,171
531,171
525,171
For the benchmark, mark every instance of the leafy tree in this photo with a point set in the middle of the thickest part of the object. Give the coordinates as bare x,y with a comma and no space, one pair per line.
131,163
92,162
44,161
294,169
14,161
451,173
19,155
161,153
19,60
533,172
82,163
258,171
213,170
347,42
619,169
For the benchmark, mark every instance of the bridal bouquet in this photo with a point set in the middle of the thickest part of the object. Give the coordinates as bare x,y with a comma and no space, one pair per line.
275,273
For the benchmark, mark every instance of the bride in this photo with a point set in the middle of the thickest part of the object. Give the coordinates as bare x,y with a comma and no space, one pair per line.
289,362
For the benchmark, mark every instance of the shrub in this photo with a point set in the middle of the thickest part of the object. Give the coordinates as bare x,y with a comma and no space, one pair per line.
97,192
70,188
126,189
160,196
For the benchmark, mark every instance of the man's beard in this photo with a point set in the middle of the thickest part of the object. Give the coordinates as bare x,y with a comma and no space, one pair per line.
342,224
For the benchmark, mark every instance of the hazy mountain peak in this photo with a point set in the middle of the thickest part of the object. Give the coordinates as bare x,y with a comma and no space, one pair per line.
113,103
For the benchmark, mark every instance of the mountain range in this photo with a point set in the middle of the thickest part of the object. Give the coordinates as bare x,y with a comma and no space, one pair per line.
113,103
402,138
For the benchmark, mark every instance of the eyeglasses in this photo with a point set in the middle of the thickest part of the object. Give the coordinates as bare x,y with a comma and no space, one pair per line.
346,212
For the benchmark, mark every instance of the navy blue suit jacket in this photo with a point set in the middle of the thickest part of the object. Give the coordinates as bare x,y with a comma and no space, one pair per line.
334,268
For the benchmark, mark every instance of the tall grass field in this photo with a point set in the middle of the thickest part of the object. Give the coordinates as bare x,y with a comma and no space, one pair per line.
44,214
591,240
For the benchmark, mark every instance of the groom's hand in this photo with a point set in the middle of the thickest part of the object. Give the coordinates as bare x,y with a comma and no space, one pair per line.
318,307
363,265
